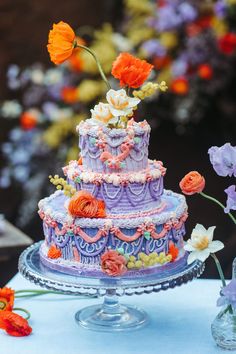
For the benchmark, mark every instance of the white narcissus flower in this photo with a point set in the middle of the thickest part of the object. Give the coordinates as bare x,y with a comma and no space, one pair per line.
102,112
201,243
120,104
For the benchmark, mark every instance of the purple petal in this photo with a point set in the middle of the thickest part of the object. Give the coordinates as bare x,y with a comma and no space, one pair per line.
223,159
231,198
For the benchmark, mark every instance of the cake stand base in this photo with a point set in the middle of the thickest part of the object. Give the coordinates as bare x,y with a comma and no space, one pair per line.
111,316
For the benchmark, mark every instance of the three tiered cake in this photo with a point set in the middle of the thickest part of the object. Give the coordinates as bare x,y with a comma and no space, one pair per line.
139,220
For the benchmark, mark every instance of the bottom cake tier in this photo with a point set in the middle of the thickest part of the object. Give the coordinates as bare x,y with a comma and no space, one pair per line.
89,247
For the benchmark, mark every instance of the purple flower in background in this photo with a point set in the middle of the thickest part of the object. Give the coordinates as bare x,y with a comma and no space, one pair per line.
223,159
228,295
187,12
154,47
179,67
167,19
220,8
231,198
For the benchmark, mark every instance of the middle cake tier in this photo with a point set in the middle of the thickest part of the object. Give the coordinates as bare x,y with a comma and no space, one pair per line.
131,194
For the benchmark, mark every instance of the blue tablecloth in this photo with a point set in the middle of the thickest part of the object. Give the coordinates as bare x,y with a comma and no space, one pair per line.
180,321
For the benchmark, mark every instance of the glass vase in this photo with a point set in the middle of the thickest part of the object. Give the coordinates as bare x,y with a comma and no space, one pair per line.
223,329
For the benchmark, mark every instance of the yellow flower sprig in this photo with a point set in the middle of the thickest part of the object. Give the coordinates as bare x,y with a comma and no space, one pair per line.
149,89
144,260
61,183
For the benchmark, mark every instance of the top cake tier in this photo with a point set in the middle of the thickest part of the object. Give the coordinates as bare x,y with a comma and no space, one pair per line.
114,150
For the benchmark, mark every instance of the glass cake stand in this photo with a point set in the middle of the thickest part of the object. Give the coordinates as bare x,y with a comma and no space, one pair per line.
111,315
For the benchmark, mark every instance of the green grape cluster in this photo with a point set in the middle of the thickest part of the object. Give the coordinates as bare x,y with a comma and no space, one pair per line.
61,183
148,260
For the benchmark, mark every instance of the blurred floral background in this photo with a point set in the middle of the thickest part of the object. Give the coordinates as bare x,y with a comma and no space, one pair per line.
192,45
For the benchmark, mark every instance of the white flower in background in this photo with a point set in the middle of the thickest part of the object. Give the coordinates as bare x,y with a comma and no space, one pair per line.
11,109
37,76
53,76
201,243
101,112
121,104
122,43
53,112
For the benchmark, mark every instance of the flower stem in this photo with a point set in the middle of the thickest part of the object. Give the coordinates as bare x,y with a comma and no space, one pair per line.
219,203
97,62
220,271
22,310
32,292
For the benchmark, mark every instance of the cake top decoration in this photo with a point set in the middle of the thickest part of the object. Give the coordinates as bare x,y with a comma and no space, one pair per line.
131,72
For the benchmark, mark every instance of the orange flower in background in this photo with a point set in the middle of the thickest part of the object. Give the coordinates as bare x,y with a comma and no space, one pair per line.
7,297
61,40
28,120
173,251
69,95
162,62
84,205
131,71
180,86
54,252
14,324
192,183
205,71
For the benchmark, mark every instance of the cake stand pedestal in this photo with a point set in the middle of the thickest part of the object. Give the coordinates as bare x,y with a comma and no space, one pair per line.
111,315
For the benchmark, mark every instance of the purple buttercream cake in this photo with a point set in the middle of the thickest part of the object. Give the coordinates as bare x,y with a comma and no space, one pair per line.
143,223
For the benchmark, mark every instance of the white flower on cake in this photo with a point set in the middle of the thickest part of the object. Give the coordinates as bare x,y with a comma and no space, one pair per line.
201,243
120,104
102,112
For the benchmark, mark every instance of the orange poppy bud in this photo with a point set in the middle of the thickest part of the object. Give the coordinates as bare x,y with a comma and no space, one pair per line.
14,324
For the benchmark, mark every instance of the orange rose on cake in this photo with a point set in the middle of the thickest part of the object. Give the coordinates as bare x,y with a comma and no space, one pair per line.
84,205
192,183
113,263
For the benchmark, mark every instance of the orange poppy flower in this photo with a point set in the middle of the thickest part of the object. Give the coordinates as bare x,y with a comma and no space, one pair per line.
69,95
54,252
14,324
61,42
7,296
131,71
173,251
180,86
84,205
